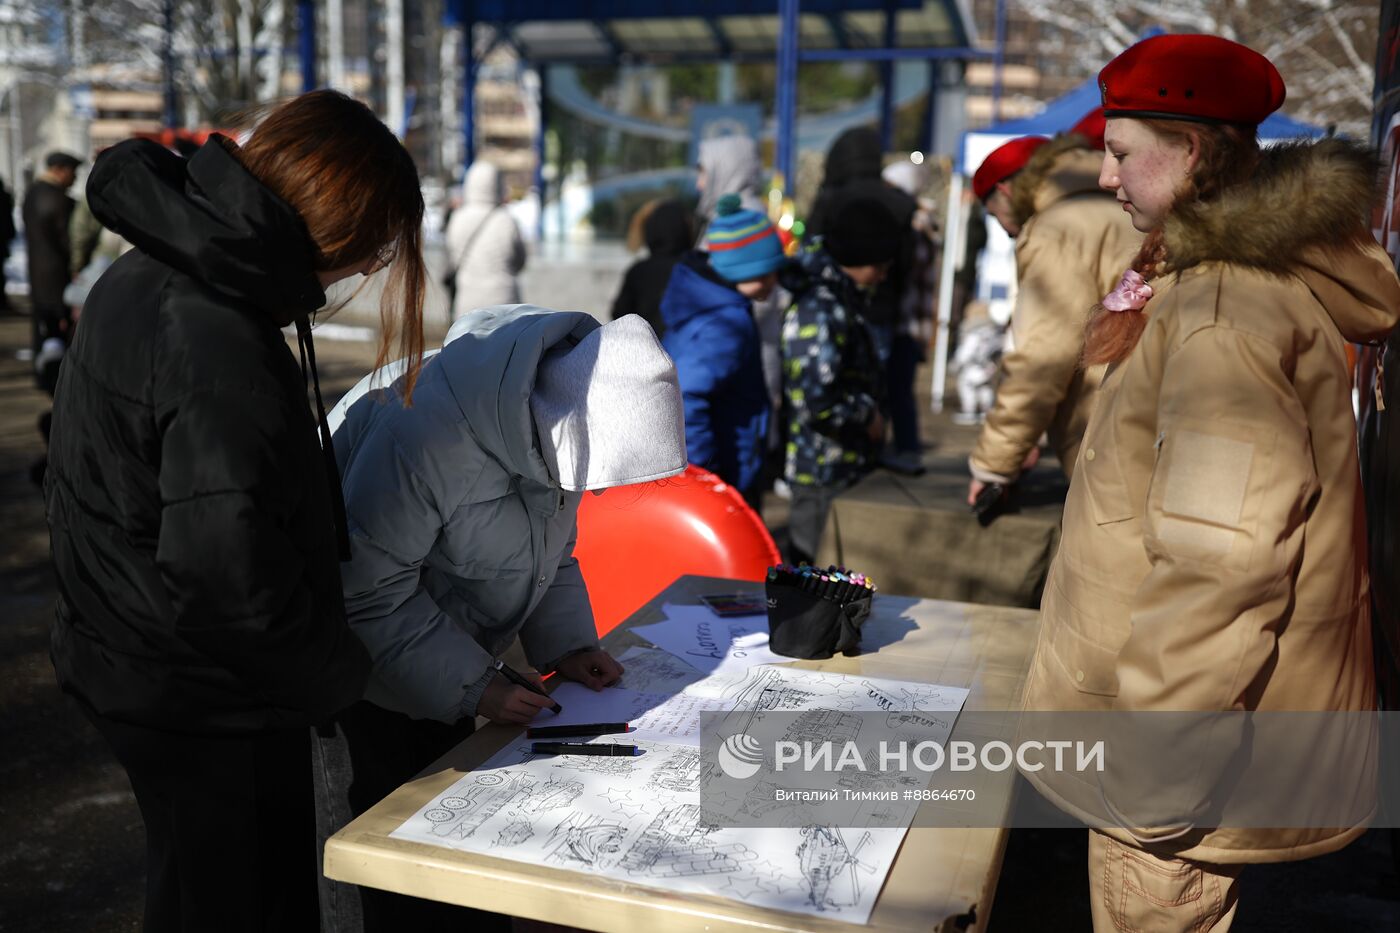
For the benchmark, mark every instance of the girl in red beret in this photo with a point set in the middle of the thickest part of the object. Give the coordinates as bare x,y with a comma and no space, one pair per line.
1212,555
1072,243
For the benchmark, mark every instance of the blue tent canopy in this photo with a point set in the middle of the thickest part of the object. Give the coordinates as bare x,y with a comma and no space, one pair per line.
1059,115
787,32
1281,126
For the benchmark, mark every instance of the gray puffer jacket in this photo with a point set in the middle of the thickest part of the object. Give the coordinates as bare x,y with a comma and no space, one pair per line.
461,538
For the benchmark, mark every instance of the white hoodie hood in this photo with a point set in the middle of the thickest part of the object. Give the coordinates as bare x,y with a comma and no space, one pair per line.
604,402
608,409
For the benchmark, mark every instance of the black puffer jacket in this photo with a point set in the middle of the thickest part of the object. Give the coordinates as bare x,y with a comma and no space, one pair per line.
188,502
47,211
853,166
668,236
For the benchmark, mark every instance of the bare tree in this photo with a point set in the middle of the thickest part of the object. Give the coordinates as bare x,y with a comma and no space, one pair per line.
228,53
21,44
1323,48
31,77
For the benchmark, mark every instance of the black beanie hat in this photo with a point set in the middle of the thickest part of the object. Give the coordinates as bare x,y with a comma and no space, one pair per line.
863,232
59,159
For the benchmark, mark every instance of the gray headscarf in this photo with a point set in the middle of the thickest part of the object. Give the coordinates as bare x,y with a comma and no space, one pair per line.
608,410
731,166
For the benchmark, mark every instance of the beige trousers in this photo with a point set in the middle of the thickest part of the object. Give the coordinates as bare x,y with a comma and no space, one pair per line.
1132,891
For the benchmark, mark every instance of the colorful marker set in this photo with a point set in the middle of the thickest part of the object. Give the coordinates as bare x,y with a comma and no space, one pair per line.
835,583
815,613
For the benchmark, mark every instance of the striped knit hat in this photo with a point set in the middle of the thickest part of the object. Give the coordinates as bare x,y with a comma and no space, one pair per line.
743,245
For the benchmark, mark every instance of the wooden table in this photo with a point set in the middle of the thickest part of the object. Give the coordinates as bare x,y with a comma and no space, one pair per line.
916,535
939,875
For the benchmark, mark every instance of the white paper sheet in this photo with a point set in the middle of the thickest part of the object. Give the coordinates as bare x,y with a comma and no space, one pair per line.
641,820
611,704
654,717
709,643
651,670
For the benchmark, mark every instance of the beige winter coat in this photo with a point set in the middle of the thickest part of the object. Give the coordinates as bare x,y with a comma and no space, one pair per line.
1075,242
1221,445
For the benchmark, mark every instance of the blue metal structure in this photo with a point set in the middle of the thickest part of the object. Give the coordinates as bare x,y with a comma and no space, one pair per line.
523,11
545,32
306,43
893,55
887,84
935,81
785,155
540,138
167,61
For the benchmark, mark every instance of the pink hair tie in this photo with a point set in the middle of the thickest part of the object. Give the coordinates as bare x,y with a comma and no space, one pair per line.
1131,294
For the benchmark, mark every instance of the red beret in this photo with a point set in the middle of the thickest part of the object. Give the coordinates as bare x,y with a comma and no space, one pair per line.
1203,78
1090,126
1005,160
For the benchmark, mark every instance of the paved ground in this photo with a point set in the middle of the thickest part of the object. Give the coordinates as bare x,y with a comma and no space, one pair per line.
72,858
72,853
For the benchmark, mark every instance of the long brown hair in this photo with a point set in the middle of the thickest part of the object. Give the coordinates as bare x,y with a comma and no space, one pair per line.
1227,156
356,188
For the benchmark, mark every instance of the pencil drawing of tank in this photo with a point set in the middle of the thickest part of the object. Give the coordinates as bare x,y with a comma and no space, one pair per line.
764,690
676,844
461,816
816,726
682,772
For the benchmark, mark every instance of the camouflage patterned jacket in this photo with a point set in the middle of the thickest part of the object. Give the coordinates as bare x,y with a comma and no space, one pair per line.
832,380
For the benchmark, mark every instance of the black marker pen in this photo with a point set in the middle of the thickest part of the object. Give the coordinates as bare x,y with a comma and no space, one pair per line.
577,748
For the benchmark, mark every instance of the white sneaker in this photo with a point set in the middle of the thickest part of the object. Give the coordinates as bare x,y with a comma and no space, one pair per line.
966,417
781,489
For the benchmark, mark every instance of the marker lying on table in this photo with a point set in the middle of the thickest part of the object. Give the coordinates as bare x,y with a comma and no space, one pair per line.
593,728
521,681
577,748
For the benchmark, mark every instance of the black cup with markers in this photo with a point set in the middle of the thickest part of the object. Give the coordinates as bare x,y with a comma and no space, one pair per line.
814,614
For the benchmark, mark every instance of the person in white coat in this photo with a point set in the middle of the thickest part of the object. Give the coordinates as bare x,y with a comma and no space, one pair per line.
484,246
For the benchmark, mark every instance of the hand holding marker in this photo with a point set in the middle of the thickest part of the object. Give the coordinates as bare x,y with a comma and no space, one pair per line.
521,681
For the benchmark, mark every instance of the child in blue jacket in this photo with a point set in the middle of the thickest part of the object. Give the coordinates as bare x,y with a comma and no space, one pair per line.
711,336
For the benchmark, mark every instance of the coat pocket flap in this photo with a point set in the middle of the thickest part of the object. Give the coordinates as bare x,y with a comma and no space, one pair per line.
1090,667
1108,491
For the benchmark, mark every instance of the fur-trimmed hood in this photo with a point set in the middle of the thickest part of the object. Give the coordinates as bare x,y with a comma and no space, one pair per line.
1061,168
1305,212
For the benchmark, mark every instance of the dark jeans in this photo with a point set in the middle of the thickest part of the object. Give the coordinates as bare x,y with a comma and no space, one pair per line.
963,291
368,753
230,827
905,356
47,321
807,519
753,496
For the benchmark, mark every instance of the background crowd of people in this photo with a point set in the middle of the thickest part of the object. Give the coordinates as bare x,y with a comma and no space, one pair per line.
829,330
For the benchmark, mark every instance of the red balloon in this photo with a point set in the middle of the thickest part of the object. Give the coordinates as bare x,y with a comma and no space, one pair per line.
633,541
